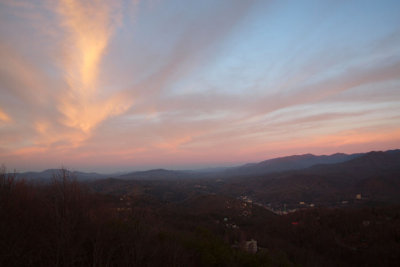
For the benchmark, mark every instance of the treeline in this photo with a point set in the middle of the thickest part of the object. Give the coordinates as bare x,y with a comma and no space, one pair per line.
64,224
355,236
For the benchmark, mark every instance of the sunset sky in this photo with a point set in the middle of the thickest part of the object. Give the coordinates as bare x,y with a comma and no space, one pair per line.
130,85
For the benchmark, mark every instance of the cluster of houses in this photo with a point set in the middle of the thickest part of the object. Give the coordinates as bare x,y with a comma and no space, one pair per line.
280,211
357,198
249,246
283,210
125,205
245,206
230,225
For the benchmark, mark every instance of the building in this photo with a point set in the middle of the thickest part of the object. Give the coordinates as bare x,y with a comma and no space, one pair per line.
250,246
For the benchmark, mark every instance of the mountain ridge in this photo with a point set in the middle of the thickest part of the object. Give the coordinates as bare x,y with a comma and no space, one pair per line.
280,164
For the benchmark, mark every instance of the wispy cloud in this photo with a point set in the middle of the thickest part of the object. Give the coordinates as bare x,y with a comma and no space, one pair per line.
89,26
4,117
128,82
198,42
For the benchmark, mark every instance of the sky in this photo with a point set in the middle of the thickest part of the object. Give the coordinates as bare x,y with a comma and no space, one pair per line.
123,85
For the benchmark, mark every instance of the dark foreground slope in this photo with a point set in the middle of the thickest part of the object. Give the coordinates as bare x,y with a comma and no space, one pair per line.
63,224
143,223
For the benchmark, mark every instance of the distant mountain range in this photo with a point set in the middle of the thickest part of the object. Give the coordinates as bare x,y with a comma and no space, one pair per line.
296,162
155,175
374,175
359,179
50,173
276,165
